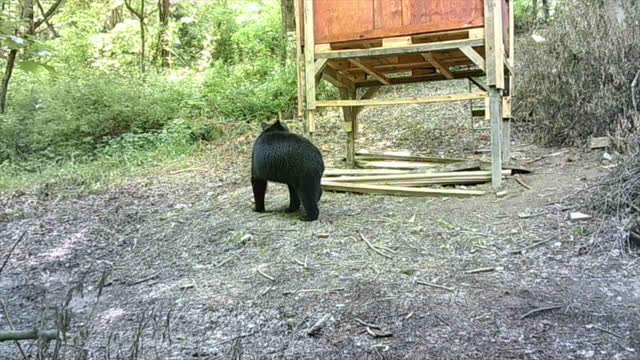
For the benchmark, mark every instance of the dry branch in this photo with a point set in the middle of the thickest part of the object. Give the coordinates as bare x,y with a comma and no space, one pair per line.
374,334
519,251
317,326
6,260
265,275
434,285
480,270
29,335
364,323
374,248
535,311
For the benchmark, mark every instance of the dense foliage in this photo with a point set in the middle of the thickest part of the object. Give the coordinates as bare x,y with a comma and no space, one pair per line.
78,93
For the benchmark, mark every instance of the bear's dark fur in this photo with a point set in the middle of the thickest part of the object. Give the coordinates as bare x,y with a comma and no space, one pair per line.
284,157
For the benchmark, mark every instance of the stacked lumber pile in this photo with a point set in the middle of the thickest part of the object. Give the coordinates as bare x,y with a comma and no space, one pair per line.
407,175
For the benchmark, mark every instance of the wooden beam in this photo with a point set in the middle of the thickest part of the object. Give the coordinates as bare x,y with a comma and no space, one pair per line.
494,47
397,190
319,67
422,78
392,156
336,79
309,58
473,55
370,93
395,50
495,105
478,83
378,102
355,172
438,65
299,57
512,47
376,75
349,124
419,176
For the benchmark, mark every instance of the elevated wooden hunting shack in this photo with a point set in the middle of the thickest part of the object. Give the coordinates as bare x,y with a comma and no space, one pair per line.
373,43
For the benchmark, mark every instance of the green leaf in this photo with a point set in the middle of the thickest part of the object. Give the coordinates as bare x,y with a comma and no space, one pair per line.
34,66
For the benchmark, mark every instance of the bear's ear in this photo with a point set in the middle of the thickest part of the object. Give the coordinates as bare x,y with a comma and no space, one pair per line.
264,126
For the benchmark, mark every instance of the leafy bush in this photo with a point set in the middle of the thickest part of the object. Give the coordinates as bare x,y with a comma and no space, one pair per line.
577,82
71,117
257,90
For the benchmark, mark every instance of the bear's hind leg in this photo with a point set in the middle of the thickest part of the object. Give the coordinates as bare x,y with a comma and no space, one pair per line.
294,200
259,189
310,201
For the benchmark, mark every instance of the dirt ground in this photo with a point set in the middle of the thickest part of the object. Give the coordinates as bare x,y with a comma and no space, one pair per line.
188,270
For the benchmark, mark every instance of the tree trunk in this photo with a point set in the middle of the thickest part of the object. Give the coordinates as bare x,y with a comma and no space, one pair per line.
142,37
545,9
164,8
287,11
4,87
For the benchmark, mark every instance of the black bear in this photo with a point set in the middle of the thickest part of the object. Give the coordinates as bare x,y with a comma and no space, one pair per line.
284,157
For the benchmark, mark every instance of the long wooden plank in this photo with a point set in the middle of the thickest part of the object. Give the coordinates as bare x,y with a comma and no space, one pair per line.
390,164
397,190
356,172
422,78
473,55
378,102
429,182
375,74
495,105
438,65
406,49
369,94
418,176
390,156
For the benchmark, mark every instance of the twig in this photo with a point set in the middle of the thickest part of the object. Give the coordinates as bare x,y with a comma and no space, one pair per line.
434,285
313,291
519,251
608,332
6,315
6,260
441,320
304,265
378,334
480,270
148,278
227,260
265,275
312,330
634,83
535,311
374,248
524,185
364,323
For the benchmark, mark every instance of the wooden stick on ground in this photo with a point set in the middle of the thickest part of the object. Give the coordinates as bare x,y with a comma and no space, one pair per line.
265,275
6,260
480,270
434,285
34,334
6,315
374,248
519,251
317,326
535,311
524,185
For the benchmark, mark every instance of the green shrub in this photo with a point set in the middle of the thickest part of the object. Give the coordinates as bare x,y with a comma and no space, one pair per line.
257,90
71,117
576,83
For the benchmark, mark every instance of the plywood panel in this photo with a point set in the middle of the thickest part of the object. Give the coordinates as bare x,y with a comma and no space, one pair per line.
348,20
340,19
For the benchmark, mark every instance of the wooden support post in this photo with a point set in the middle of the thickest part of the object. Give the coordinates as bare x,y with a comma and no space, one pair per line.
309,68
494,43
350,124
370,93
299,58
495,112
438,65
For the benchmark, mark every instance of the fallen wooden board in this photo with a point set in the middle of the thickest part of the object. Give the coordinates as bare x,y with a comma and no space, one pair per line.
353,172
363,155
515,169
397,190
418,176
390,164
443,181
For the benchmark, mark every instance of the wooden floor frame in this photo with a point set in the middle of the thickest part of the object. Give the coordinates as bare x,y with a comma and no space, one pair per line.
495,65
